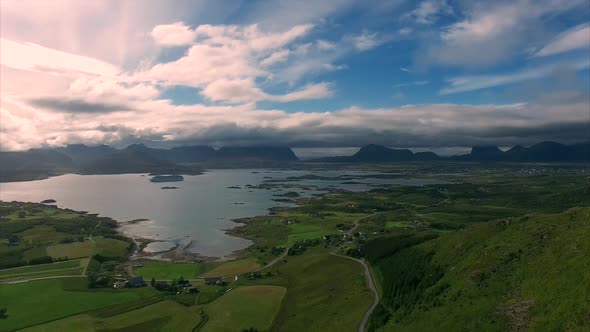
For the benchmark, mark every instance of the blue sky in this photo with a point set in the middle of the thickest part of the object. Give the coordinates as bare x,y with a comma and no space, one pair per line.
395,72
340,73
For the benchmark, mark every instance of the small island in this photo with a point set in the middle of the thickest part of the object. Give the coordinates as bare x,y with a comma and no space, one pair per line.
48,201
167,178
169,187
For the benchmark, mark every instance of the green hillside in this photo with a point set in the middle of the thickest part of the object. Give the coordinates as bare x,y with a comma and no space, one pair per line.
518,274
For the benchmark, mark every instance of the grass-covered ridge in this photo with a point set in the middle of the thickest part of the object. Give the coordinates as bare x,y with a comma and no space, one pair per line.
33,233
516,274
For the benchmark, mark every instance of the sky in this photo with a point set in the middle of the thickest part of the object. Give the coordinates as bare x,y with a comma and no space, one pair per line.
438,74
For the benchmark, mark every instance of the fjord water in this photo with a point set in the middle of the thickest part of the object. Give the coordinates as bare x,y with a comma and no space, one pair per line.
196,215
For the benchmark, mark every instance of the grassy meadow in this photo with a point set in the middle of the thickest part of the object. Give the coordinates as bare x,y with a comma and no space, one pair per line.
491,249
244,307
42,301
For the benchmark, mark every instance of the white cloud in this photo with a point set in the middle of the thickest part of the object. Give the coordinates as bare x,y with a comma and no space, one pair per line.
226,60
405,31
577,37
252,35
87,73
114,31
280,14
245,90
175,34
325,45
366,41
400,85
492,33
234,90
428,11
478,82
427,125
34,57
311,91
276,57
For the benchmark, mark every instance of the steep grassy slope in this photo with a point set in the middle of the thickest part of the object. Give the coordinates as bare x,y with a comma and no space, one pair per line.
518,274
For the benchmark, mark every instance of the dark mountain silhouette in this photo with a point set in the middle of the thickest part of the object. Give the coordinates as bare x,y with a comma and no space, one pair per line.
516,150
373,153
128,160
190,154
548,152
581,151
258,152
541,152
82,154
481,153
426,156
33,164
378,153
138,158
486,152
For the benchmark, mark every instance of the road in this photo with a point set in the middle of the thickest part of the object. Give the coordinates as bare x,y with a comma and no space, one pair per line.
371,284
274,261
368,275
92,231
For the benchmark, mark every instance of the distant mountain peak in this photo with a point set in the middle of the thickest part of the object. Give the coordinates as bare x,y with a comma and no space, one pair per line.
380,153
485,149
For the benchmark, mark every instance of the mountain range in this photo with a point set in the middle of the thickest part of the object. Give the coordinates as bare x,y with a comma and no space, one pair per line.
541,152
138,158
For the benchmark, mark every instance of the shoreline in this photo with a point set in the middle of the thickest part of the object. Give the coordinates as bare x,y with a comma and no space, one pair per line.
181,253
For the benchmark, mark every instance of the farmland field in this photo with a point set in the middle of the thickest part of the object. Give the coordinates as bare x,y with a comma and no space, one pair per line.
168,270
73,267
325,293
163,316
488,250
41,301
244,307
233,268
71,250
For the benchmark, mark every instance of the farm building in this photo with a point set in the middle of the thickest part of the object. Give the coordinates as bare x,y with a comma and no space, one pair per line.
135,282
213,281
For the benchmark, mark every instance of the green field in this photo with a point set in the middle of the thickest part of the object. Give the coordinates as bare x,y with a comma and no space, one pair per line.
111,247
490,250
168,270
44,233
41,301
298,232
232,268
324,293
71,250
73,267
396,224
244,307
162,316
77,323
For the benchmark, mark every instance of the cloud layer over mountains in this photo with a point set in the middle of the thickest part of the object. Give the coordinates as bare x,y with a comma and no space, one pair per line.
106,72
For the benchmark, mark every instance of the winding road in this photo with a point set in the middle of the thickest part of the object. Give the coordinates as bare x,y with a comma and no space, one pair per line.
368,275
371,284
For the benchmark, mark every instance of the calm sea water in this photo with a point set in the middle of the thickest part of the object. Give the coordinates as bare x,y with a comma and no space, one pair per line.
195,215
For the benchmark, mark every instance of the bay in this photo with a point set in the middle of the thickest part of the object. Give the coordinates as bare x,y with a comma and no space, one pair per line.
196,215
